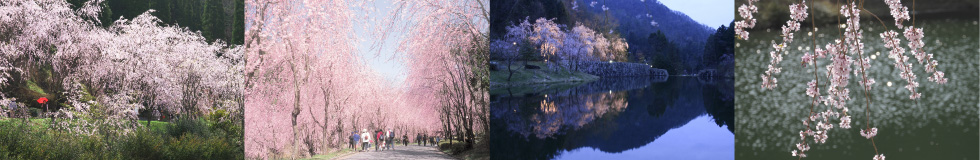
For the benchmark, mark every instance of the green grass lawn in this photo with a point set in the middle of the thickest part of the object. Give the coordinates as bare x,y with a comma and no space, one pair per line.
524,76
36,123
156,125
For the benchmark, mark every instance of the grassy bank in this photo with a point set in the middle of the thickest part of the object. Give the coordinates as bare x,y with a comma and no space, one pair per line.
332,155
181,139
478,152
523,76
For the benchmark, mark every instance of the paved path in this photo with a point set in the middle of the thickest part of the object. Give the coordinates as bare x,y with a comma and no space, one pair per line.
401,152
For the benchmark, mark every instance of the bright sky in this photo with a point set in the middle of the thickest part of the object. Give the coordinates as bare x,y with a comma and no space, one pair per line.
387,62
713,13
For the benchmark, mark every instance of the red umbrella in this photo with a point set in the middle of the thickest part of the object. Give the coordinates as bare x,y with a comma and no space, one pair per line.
42,100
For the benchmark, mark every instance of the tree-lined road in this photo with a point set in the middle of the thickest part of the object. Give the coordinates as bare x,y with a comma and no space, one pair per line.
400,152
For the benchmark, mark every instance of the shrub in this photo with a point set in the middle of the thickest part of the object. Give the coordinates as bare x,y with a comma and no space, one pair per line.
199,140
190,146
144,144
184,125
183,139
454,149
19,141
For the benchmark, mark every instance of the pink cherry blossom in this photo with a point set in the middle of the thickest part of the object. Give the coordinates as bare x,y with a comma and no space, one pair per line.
899,12
869,133
846,56
748,21
879,157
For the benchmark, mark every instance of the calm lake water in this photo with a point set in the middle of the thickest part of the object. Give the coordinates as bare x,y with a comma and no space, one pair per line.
615,118
941,125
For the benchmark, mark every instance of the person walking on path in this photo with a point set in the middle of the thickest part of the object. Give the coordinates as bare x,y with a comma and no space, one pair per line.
384,135
425,139
390,136
366,139
379,142
418,139
357,140
405,139
352,139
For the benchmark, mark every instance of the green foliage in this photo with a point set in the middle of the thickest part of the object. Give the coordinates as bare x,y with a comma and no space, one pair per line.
217,115
35,88
148,145
528,52
185,125
719,51
156,126
225,122
480,150
20,141
720,43
190,146
453,149
196,141
144,145
203,134
664,54
35,112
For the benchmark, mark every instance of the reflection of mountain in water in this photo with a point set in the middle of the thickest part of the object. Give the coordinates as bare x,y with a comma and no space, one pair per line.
613,116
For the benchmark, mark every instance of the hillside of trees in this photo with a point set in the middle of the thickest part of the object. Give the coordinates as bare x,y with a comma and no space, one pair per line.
655,34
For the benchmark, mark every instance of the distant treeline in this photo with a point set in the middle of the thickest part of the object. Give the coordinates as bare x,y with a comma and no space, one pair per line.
667,54
215,19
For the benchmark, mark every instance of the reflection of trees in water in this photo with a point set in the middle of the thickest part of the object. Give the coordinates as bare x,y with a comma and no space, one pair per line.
721,104
570,112
548,112
590,116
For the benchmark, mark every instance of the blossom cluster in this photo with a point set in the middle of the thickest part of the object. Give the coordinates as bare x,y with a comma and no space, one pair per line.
801,147
556,42
899,12
131,65
748,21
842,54
914,36
798,13
901,61
879,157
870,133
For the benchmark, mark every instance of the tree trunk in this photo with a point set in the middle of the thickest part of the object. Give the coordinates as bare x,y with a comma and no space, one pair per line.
296,110
509,63
326,109
150,119
469,133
